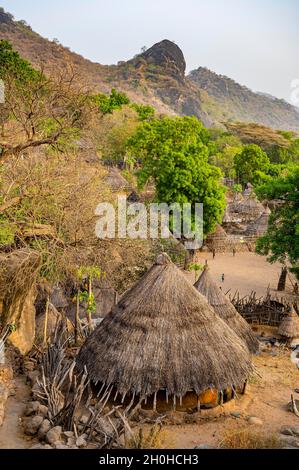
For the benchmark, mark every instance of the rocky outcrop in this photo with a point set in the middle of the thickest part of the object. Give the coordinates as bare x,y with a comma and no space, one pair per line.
18,273
168,55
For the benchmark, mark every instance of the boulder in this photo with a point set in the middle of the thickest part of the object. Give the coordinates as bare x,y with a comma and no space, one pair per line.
290,430
255,421
81,442
289,441
53,436
35,408
18,273
32,424
44,429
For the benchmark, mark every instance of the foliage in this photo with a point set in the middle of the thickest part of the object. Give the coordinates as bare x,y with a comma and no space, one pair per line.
251,164
145,112
108,104
38,111
174,155
281,241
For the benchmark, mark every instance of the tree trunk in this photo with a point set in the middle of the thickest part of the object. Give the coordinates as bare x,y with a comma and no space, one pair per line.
282,279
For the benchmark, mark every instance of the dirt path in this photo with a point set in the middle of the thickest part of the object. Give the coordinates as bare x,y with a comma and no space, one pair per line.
11,435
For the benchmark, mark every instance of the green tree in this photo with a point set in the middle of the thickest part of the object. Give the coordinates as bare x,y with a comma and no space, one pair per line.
251,164
281,241
108,104
174,154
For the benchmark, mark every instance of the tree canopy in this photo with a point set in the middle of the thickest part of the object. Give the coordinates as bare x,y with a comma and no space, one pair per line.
281,241
174,154
251,164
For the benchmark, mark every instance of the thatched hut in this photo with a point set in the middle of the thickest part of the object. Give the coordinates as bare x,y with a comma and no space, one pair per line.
259,227
218,240
225,309
163,340
289,327
250,208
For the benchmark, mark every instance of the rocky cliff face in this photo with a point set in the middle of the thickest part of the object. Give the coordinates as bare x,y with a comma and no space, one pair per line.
157,77
18,273
239,103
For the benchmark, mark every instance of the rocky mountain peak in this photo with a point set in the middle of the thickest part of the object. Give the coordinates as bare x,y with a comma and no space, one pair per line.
166,54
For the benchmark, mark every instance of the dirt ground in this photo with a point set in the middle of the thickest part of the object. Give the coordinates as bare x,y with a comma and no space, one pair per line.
11,433
266,398
244,272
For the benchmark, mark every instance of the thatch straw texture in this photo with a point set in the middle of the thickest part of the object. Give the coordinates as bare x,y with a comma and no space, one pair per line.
289,326
225,309
164,335
250,206
259,227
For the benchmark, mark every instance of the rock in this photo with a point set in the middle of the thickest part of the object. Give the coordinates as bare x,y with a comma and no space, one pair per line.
81,442
290,441
290,430
84,419
68,434
32,424
37,446
235,414
54,435
71,441
44,429
59,445
34,408
255,421
33,376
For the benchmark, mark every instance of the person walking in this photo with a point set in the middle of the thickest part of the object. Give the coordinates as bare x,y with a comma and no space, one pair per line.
234,252
214,253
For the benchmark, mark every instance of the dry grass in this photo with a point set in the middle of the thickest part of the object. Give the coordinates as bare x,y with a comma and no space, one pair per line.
152,438
249,439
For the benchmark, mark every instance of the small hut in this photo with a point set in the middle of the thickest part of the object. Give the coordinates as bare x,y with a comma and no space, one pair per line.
116,181
250,208
259,227
163,340
218,240
289,327
225,309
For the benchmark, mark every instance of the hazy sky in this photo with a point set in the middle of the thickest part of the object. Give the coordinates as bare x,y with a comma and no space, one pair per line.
255,42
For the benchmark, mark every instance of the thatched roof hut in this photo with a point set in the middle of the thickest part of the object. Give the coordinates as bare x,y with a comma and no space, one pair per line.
225,309
250,207
218,240
163,335
260,225
116,181
289,326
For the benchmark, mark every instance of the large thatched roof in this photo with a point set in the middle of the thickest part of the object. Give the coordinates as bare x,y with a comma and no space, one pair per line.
289,326
259,226
250,206
164,335
225,309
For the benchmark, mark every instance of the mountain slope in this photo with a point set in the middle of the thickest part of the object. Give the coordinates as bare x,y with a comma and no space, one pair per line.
241,104
156,77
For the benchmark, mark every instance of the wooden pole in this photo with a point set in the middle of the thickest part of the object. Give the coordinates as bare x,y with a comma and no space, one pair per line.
77,317
46,321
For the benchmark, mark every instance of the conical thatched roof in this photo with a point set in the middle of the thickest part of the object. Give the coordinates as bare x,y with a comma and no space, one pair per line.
164,335
225,309
250,206
289,326
259,226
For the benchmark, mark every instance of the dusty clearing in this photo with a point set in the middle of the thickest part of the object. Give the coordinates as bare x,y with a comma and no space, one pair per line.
244,272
